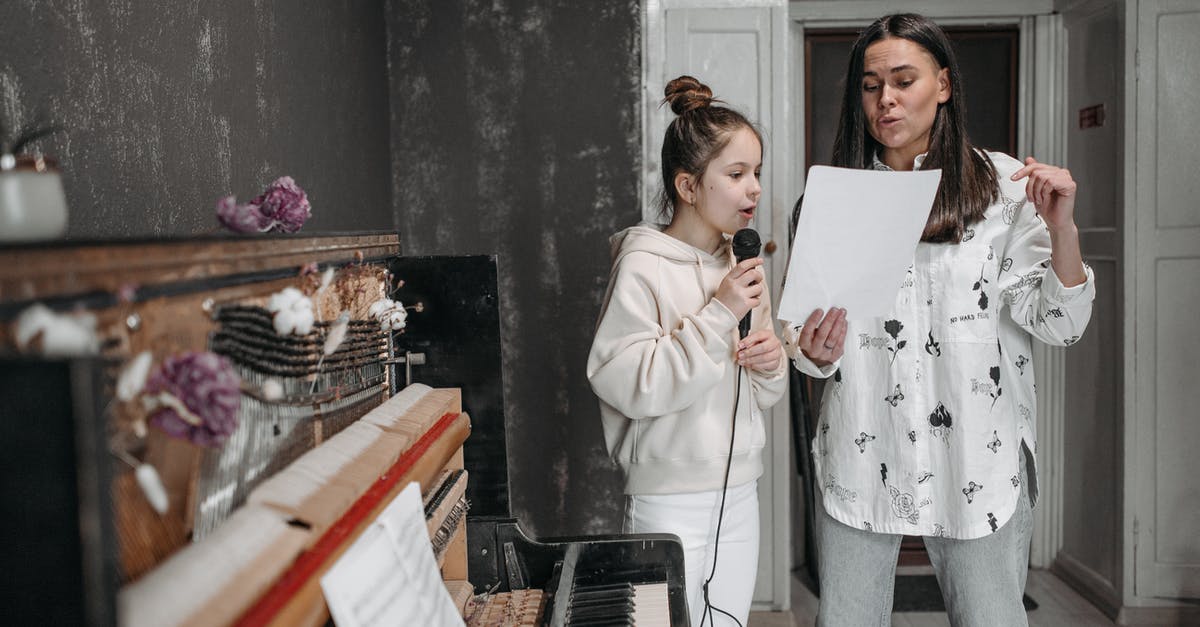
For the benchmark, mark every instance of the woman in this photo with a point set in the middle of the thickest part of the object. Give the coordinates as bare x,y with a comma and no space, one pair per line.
681,392
928,425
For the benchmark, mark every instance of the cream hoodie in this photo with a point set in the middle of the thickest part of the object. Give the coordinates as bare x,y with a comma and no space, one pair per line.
662,363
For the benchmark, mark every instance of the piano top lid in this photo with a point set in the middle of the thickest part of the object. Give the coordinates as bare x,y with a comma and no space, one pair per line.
66,269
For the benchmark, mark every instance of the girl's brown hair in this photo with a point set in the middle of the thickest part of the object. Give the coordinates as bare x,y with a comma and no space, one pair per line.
969,183
696,136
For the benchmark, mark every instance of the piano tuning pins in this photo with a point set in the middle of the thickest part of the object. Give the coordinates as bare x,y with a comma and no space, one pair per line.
209,306
133,321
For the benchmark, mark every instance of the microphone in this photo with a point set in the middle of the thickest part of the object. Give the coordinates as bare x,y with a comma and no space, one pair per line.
746,245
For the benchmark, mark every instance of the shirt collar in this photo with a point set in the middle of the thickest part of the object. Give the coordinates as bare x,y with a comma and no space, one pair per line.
876,164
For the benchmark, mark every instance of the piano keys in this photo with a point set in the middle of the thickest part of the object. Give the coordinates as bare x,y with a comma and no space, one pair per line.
580,574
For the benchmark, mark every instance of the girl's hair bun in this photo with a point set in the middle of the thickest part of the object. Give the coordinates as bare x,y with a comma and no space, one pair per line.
686,93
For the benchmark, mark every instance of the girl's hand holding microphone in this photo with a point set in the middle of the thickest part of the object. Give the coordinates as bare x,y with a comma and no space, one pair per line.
741,291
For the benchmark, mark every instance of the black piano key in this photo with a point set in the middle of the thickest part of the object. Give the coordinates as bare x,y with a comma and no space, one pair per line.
577,597
590,604
599,605
622,621
600,587
600,611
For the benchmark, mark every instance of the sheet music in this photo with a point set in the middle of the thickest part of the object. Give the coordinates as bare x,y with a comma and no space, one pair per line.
389,576
855,240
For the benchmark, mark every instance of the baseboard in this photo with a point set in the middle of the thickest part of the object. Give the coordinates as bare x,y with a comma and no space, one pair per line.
1100,592
1151,616
1088,583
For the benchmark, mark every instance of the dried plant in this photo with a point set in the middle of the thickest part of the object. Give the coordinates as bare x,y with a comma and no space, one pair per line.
13,140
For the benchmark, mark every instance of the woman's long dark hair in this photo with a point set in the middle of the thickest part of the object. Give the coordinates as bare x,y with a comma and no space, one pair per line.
969,183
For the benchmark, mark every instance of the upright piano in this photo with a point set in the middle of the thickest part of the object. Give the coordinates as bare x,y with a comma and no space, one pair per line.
328,433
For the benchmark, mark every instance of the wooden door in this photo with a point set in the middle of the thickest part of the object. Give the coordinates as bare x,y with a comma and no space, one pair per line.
1163,250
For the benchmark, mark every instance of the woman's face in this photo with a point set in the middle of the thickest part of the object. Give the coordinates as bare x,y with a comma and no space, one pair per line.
901,90
728,193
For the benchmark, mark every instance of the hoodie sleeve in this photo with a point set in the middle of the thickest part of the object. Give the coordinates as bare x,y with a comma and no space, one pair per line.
768,386
791,346
644,370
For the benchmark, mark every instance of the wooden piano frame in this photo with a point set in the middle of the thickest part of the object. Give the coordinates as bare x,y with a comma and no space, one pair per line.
150,295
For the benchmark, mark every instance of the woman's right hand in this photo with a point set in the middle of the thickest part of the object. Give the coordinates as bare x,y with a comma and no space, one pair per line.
741,289
823,336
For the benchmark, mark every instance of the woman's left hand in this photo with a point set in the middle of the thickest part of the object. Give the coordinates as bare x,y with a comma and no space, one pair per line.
760,351
1052,191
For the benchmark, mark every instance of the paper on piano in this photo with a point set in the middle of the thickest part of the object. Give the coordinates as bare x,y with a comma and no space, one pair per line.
389,576
855,239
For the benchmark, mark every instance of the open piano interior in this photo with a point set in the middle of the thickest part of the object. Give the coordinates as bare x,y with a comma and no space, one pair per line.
332,422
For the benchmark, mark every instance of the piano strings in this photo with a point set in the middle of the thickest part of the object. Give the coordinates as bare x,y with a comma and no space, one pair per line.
217,579
316,403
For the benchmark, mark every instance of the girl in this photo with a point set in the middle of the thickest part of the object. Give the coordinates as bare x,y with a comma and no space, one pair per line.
928,426
681,395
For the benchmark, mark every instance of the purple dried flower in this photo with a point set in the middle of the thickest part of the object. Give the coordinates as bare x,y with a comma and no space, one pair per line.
197,396
241,218
283,206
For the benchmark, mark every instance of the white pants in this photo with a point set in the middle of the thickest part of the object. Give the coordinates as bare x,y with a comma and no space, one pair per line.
693,517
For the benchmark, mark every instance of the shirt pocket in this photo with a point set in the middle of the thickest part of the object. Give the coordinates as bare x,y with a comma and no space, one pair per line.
966,295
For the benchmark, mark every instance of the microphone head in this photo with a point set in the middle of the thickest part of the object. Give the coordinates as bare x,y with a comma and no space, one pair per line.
746,244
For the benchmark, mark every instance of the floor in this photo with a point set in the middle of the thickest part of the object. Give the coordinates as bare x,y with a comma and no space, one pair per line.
1058,606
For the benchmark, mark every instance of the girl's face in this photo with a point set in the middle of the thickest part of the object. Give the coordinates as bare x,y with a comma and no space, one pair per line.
728,192
901,90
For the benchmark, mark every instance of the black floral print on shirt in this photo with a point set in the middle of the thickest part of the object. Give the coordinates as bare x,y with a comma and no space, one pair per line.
893,328
904,506
979,287
994,373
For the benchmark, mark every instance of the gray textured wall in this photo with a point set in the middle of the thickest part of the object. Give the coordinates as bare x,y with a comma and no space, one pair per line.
515,131
169,105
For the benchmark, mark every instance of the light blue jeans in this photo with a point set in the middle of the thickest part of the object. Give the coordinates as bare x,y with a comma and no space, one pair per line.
982,580
693,517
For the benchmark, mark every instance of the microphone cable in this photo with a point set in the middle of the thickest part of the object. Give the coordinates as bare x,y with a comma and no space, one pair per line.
744,244
708,606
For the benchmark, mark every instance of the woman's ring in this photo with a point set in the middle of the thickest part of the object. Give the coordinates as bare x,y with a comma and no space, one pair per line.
829,347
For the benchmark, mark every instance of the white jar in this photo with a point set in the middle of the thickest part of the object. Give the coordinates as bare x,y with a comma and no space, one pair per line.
32,203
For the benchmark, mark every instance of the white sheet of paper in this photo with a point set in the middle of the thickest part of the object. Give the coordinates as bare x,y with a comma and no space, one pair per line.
389,576
855,240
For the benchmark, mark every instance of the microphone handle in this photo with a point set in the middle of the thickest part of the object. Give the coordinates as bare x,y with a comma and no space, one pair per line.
744,325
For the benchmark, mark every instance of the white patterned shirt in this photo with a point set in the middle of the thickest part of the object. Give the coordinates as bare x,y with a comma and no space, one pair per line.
921,425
